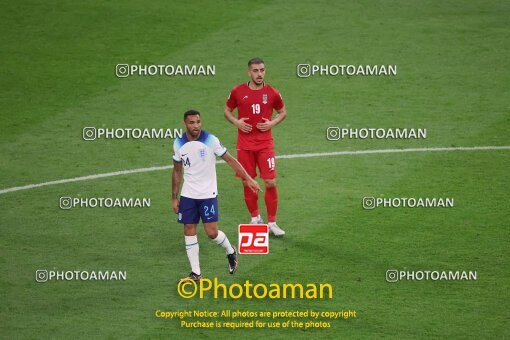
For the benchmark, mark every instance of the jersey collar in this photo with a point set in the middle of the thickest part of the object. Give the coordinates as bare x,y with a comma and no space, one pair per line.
263,85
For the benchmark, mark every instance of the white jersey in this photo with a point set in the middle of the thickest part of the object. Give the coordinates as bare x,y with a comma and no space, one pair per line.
198,160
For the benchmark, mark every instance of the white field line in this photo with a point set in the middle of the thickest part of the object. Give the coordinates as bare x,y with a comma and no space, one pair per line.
303,155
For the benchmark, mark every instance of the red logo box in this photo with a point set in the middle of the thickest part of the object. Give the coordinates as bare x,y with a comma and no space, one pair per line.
253,239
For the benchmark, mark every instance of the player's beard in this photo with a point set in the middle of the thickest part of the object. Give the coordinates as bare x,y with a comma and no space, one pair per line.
258,81
194,134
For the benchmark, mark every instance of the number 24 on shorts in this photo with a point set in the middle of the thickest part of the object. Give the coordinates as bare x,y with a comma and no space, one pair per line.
208,210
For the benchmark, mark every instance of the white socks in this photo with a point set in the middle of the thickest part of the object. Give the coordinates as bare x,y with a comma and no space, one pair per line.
223,241
192,251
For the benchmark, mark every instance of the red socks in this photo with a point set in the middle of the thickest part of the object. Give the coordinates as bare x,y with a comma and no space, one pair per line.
251,198
271,199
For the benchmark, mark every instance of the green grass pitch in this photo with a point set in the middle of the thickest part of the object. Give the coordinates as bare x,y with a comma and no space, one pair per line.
57,77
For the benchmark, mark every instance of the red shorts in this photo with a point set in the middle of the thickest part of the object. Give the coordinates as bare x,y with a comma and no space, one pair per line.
263,159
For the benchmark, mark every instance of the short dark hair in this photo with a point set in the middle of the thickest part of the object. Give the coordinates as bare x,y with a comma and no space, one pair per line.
255,61
191,113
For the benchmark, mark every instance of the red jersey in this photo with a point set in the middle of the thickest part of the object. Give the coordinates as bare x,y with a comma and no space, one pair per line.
254,105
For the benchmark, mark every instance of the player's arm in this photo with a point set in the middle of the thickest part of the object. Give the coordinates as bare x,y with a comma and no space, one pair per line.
268,124
280,115
176,184
234,164
240,123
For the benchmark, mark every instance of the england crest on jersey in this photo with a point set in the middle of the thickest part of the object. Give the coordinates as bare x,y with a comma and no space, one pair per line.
203,153
264,98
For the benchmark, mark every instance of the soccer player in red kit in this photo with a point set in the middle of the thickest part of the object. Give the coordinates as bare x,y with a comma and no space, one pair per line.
255,102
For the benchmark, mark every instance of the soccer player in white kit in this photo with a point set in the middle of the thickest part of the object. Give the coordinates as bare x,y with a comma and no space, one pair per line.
195,156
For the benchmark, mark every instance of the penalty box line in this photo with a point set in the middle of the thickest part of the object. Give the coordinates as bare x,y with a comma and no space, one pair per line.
302,155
